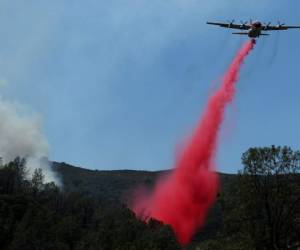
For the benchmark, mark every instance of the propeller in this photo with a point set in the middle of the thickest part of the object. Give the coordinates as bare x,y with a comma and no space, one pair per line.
243,24
230,22
280,24
267,24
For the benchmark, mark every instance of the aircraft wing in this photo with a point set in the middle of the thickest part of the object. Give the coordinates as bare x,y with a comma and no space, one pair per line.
231,25
280,27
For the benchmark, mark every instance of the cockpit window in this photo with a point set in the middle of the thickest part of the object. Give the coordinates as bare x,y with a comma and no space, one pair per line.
257,25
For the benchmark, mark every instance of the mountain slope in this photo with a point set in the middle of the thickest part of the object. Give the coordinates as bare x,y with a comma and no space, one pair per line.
115,187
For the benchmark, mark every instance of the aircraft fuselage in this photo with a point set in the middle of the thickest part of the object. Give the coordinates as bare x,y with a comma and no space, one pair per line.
255,30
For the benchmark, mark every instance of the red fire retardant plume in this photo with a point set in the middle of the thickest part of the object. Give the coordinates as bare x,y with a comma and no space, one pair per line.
182,199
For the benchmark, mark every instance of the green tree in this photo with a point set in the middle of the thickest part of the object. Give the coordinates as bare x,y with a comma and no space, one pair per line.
265,205
34,215
37,180
12,176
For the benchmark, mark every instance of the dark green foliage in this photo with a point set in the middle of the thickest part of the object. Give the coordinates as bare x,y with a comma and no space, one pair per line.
37,180
112,186
257,209
262,211
12,177
115,187
34,215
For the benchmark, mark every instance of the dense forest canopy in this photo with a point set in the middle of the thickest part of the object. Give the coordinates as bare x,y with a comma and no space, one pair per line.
259,208
34,215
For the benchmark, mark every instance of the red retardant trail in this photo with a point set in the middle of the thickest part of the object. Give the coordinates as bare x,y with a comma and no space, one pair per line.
183,199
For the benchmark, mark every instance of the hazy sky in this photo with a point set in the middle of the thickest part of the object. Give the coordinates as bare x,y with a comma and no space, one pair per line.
118,84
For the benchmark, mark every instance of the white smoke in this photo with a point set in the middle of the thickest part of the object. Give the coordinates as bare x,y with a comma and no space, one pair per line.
21,135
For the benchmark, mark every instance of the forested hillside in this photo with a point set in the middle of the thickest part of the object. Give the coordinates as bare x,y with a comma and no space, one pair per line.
34,215
259,208
116,188
113,186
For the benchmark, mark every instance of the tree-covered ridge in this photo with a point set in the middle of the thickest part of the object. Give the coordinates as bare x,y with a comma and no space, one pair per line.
116,188
34,215
259,208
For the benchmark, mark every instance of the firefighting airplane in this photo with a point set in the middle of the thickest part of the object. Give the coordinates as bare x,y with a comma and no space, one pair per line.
254,29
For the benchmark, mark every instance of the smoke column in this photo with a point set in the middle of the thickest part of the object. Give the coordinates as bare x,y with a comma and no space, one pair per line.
183,198
21,135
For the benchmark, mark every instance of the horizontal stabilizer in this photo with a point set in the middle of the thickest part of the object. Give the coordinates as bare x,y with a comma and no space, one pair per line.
240,33
264,34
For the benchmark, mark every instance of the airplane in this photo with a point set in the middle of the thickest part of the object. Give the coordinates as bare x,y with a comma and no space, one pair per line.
253,29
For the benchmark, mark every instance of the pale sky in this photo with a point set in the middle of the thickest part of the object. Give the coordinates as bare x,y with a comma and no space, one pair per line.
119,84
